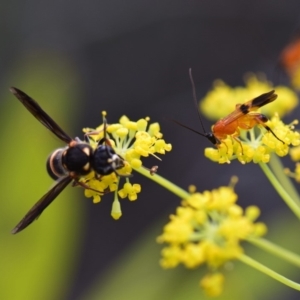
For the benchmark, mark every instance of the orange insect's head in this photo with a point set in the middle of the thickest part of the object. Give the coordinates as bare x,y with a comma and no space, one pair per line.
212,138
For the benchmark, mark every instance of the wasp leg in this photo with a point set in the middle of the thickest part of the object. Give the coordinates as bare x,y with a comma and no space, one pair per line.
86,186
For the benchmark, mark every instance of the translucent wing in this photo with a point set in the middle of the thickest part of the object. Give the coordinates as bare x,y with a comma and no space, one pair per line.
41,115
43,203
249,106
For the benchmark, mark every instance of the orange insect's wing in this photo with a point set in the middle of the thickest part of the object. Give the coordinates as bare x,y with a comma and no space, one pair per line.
249,106
236,114
262,100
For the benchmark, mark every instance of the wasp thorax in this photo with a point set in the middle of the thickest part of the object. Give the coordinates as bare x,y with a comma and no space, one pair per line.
105,160
75,159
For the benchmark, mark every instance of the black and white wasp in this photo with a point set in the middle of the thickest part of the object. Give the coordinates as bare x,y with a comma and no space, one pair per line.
67,164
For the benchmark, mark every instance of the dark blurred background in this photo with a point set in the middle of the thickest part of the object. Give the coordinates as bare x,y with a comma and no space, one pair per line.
129,58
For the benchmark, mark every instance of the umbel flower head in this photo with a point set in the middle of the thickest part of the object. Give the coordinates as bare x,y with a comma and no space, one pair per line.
131,140
207,229
257,143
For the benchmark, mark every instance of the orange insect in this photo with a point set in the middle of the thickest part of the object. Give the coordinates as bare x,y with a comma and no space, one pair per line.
290,61
243,117
290,56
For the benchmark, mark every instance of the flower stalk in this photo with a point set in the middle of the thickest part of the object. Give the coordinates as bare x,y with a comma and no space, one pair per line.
260,267
275,250
295,208
173,188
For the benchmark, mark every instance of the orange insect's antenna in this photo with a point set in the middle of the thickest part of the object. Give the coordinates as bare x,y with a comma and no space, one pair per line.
195,99
243,117
209,135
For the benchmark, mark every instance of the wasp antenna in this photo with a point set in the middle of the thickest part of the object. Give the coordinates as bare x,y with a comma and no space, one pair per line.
189,128
195,101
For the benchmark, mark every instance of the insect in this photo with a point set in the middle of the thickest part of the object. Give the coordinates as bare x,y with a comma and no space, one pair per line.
243,117
290,60
69,163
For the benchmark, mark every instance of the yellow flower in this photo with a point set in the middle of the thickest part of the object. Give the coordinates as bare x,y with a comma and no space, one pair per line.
213,284
295,153
130,190
131,141
222,99
207,229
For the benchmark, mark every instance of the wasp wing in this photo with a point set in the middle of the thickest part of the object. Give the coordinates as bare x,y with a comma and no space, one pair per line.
40,114
43,203
251,105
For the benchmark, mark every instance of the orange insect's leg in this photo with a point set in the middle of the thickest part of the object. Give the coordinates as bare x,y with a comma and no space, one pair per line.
235,137
262,119
222,142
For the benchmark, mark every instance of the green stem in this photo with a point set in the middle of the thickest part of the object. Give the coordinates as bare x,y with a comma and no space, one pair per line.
275,250
280,190
277,168
181,193
260,267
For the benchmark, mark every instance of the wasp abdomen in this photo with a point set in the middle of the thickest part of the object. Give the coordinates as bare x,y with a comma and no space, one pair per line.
75,159
54,164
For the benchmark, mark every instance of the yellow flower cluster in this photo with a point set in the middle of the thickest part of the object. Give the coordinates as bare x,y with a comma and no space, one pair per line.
256,144
132,141
222,99
207,229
